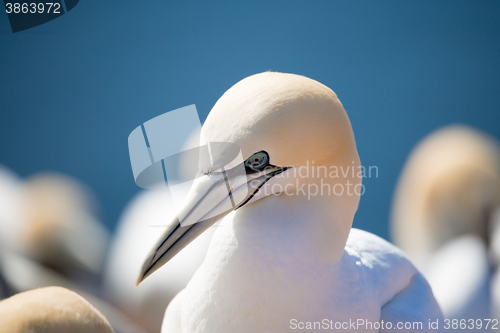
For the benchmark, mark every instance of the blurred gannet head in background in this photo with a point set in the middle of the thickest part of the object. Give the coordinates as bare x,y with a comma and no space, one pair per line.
61,230
279,122
50,219
52,309
442,216
49,237
140,225
450,187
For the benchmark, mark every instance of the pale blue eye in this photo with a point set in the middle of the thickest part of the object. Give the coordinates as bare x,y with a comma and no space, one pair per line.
257,160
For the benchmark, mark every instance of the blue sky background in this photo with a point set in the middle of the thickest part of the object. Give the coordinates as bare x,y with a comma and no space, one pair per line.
73,89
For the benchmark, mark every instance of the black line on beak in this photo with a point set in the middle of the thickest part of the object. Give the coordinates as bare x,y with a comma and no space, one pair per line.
228,189
271,175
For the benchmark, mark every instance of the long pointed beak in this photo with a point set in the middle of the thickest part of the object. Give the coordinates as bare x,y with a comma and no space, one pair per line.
210,199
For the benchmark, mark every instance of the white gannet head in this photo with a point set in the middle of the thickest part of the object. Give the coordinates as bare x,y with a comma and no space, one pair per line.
280,122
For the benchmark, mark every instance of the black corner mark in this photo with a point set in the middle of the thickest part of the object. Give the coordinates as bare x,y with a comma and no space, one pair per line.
70,4
26,14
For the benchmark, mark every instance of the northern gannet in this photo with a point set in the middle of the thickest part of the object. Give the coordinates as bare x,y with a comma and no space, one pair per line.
61,229
52,309
443,217
286,256
50,218
50,237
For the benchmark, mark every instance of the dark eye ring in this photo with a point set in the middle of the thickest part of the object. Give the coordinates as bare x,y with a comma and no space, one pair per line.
257,161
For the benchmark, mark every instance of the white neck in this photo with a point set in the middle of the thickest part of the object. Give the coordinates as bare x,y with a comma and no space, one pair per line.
293,227
261,256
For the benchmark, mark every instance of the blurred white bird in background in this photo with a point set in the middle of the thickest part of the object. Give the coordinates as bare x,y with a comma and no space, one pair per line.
50,237
142,223
290,255
442,217
62,231
10,219
52,222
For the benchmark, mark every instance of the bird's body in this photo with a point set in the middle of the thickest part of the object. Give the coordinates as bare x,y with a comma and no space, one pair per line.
284,254
467,297
278,288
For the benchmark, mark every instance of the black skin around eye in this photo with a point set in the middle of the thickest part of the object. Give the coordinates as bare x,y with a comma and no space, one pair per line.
256,163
